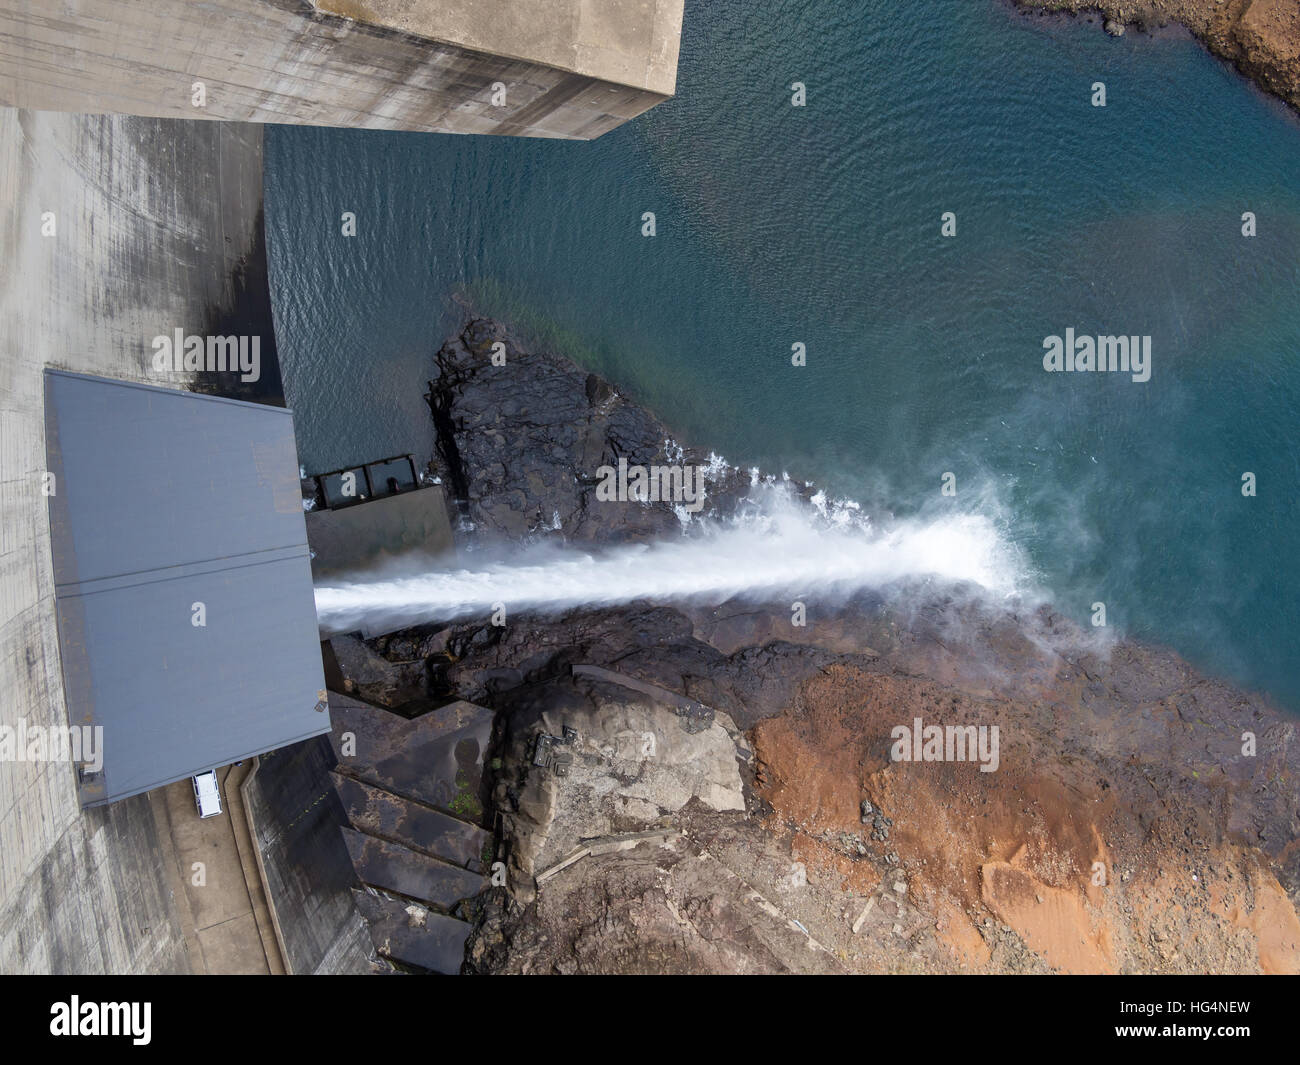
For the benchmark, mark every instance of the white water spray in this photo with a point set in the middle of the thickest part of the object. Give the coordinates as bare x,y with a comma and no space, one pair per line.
786,548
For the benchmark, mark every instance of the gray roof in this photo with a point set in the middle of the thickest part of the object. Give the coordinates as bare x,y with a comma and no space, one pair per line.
165,499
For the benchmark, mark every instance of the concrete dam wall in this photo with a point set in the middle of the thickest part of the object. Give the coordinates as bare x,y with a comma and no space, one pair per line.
557,68
125,219
137,246
109,240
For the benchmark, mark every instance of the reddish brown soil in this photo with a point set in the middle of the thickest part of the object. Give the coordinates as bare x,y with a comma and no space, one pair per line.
1094,870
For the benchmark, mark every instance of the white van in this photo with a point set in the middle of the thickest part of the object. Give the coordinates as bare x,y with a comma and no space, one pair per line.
207,795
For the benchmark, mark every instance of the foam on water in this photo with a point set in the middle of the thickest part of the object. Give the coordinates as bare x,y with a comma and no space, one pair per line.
780,547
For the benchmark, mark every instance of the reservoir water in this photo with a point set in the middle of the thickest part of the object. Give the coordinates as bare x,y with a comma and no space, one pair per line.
821,226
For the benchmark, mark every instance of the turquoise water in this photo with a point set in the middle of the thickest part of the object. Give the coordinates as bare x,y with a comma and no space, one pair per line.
821,225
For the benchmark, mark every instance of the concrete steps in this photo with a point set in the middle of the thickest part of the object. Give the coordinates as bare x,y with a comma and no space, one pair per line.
381,813
414,936
411,791
391,866
435,759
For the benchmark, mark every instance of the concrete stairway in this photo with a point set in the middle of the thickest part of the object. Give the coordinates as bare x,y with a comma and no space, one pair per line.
412,790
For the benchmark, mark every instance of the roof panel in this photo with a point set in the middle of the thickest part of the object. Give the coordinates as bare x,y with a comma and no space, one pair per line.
165,500
145,470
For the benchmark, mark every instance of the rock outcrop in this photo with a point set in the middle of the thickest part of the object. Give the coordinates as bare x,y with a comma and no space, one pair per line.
593,760
520,443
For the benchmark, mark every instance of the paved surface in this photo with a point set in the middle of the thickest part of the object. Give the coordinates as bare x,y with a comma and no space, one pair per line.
217,904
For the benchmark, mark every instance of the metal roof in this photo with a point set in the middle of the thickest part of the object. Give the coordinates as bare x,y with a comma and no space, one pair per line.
164,499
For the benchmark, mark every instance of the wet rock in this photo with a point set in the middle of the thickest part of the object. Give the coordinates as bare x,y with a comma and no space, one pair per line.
566,424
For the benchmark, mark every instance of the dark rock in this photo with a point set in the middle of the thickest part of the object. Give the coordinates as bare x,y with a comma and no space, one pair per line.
377,680
567,424
525,441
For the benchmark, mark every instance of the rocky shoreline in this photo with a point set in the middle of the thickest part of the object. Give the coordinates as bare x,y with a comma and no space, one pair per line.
685,788
1260,38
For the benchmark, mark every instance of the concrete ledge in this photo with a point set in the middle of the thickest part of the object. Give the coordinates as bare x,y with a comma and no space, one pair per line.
251,861
271,913
629,42
487,67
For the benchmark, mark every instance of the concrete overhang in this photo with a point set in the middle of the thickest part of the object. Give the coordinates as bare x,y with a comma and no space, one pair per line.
567,69
628,42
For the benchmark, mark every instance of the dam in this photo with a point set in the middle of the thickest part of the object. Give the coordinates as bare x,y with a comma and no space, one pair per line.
133,178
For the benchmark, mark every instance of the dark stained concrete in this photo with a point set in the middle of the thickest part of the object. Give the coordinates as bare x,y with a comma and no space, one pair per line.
366,534
307,868
380,813
396,868
436,759
97,902
569,68
412,935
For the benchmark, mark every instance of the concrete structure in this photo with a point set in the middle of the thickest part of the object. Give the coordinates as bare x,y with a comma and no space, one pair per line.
358,537
297,824
368,842
115,230
137,246
551,68
220,901
414,793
